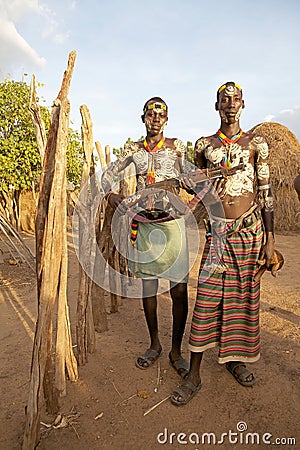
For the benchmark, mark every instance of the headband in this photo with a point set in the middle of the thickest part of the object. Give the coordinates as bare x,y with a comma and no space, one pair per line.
225,85
155,105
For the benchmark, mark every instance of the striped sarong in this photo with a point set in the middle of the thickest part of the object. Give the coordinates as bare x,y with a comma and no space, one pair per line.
226,313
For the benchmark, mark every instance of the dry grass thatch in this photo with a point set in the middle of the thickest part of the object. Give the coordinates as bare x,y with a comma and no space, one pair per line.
284,166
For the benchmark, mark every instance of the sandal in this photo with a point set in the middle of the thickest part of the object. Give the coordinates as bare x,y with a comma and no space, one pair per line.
187,390
149,358
181,366
241,373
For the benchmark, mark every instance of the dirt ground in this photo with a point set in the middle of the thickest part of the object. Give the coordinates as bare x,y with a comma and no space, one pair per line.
106,405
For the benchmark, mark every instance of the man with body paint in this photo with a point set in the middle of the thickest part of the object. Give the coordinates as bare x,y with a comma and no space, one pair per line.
226,312
165,254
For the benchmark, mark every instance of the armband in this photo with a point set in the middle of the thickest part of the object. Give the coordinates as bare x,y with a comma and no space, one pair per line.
265,186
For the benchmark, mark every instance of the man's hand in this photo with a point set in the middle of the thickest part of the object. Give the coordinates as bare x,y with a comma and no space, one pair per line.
220,188
114,200
268,250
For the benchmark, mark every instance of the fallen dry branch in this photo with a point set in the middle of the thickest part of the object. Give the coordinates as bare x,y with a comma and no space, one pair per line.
156,405
61,421
10,233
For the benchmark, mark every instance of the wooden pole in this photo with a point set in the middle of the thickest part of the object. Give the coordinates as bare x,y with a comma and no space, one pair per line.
107,155
98,293
84,324
64,356
49,260
127,187
101,155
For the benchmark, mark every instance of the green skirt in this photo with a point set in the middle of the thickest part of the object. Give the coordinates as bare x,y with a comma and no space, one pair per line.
160,251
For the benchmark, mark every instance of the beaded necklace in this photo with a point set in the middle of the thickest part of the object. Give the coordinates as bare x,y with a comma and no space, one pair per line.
227,141
157,147
150,180
151,171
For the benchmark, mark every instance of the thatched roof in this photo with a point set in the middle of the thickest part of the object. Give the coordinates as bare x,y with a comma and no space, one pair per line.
284,163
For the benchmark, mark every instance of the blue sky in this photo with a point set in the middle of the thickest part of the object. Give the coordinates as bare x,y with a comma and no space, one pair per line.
181,50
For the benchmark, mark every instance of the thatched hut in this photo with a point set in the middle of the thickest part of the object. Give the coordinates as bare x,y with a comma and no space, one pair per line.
284,166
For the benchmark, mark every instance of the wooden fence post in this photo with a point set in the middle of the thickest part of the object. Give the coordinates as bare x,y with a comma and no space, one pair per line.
50,262
85,324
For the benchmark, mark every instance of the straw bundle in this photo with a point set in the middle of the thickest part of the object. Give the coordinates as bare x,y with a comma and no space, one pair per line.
284,164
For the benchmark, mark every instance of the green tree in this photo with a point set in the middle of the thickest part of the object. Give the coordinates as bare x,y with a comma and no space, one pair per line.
190,151
20,163
19,155
74,158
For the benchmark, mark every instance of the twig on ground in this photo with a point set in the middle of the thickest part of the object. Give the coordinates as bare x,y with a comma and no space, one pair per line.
156,405
115,387
158,374
126,399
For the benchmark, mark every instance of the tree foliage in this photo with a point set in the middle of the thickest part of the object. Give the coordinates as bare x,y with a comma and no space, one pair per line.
190,151
20,162
19,155
74,158
117,151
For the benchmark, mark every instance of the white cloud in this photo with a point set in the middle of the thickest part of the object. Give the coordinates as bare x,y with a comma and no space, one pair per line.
14,10
290,118
269,118
15,52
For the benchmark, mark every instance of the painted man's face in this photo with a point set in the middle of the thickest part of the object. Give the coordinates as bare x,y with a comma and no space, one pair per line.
155,117
230,104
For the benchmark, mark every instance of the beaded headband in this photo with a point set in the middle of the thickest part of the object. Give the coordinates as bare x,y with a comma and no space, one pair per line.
155,105
225,85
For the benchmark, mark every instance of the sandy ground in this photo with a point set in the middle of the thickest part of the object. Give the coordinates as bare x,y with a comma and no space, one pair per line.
110,385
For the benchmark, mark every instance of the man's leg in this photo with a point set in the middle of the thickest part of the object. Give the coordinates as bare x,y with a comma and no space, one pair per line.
150,310
192,383
241,373
179,297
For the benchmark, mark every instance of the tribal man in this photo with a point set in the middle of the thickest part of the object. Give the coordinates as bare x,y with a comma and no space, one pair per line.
226,312
158,246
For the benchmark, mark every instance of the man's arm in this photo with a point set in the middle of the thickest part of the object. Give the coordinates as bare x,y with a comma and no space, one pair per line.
111,175
199,155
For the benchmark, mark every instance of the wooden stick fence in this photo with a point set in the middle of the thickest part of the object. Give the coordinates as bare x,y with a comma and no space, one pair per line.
51,259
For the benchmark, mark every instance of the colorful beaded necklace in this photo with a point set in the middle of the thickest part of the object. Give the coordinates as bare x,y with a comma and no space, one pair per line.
150,180
226,140
157,147
151,171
